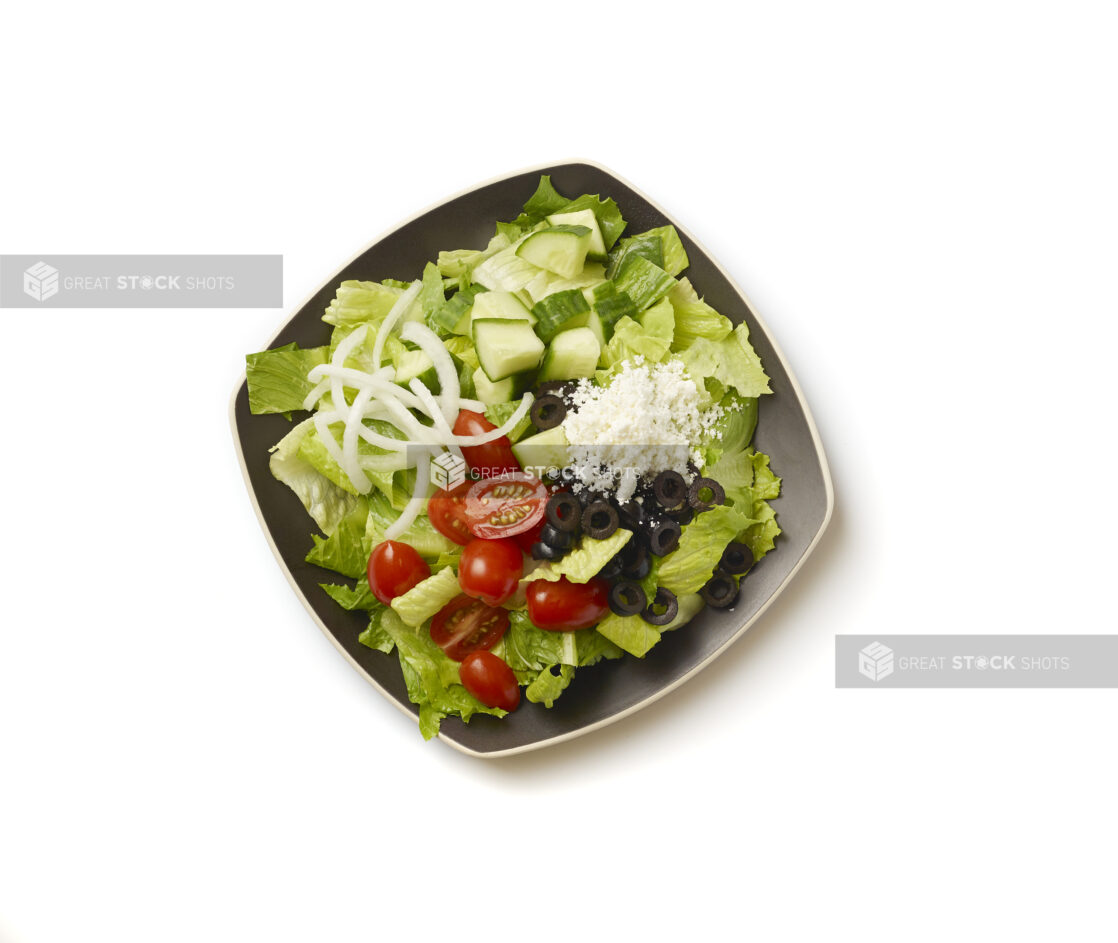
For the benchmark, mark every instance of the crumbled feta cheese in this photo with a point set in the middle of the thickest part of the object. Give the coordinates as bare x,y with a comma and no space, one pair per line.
646,420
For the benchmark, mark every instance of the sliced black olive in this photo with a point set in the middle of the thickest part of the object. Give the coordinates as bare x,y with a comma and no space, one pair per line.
736,558
563,512
586,496
664,537
542,551
662,609
720,591
670,489
627,598
554,537
612,569
683,515
633,514
636,560
705,493
548,411
599,520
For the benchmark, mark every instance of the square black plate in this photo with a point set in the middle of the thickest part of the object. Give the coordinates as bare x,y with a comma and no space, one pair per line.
610,690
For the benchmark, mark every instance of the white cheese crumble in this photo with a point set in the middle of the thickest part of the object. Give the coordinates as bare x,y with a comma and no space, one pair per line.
646,420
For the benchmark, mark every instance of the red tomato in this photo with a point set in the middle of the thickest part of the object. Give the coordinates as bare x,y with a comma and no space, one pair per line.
564,605
490,569
492,458
447,510
394,568
506,505
490,680
467,625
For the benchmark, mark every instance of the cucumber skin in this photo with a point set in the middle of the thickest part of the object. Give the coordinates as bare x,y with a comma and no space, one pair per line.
526,358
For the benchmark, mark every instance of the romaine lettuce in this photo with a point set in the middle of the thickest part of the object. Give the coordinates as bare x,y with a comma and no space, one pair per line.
426,598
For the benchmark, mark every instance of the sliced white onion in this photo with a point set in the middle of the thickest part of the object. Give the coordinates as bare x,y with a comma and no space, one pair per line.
418,499
429,342
398,310
482,438
343,350
475,405
354,422
320,390
408,424
322,422
441,425
350,376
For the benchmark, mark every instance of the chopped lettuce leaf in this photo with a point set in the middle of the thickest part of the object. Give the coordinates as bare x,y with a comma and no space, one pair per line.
277,379
545,201
424,599
732,361
431,677
629,633
647,245
606,212
500,413
353,597
651,339
375,635
733,431
422,534
547,686
463,349
691,564
694,318
582,563
355,302
690,605
345,550
675,256
326,503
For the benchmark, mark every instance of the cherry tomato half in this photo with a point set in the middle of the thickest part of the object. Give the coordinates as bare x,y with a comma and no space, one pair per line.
526,538
506,505
394,568
490,570
564,605
447,510
490,680
467,625
492,458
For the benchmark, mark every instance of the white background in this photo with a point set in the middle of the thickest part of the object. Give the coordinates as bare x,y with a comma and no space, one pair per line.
920,200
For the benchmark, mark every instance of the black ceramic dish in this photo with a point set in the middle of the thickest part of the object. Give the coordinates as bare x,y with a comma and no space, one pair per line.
609,690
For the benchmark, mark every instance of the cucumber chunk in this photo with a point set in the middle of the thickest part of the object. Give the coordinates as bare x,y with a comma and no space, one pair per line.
558,309
597,250
560,249
544,450
572,354
411,364
506,346
500,304
489,392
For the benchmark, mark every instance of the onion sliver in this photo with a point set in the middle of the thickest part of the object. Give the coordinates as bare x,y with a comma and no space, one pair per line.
354,422
326,437
415,505
343,350
398,310
521,410
420,390
429,343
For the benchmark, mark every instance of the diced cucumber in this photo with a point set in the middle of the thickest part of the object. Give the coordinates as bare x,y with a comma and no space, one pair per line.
503,391
548,283
489,392
570,355
556,310
411,364
560,249
505,271
501,304
506,346
597,250
544,450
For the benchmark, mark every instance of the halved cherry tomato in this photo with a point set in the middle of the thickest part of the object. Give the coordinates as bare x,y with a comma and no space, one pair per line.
562,605
447,510
506,505
467,625
525,539
491,458
490,569
394,568
490,680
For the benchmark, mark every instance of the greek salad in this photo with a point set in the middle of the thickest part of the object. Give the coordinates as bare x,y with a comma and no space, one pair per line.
535,456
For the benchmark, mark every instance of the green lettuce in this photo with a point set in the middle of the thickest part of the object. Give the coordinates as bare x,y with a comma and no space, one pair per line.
277,379
426,598
353,597
431,677
732,361
694,318
500,413
582,563
651,338
421,535
344,551
674,255
375,635
642,281
546,687
355,302
629,633
326,503
692,563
